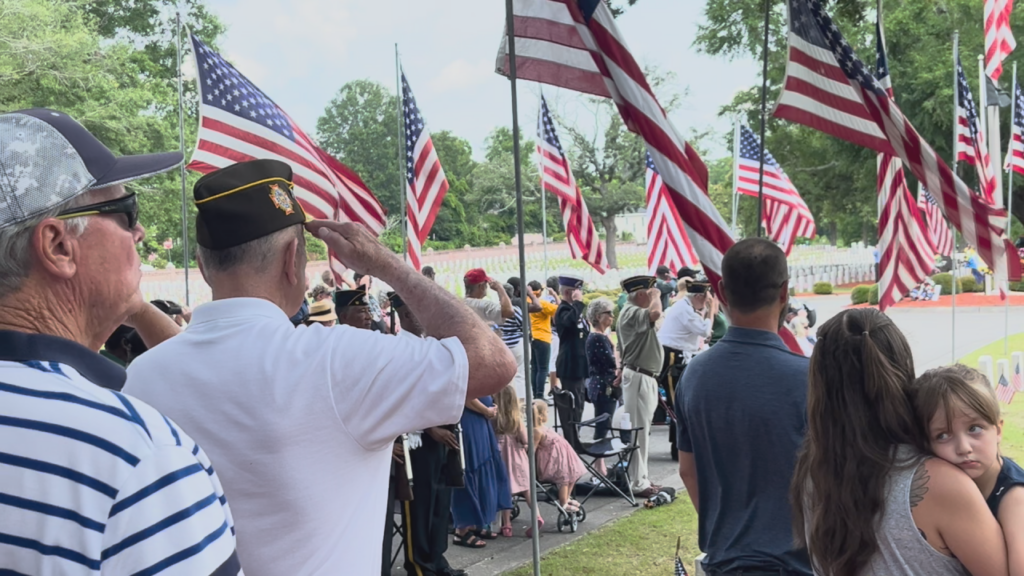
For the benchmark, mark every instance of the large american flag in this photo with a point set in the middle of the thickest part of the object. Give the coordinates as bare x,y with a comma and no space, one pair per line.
426,184
999,40
970,142
667,242
238,122
906,253
786,215
556,177
1015,155
938,231
829,89
557,36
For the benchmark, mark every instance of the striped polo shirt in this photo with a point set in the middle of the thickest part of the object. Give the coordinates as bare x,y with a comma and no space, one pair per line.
512,328
95,482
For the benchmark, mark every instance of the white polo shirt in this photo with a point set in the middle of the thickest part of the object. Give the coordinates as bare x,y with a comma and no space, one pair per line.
94,482
684,329
300,422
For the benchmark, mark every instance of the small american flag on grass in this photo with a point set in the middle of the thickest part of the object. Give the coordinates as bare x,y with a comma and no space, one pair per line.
1004,391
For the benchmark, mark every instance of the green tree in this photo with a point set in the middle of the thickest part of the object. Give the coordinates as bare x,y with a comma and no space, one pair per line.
491,200
456,156
360,127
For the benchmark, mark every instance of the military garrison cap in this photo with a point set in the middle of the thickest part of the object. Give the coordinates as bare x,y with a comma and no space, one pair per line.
343,298
243,202
700,285
638,283
396,300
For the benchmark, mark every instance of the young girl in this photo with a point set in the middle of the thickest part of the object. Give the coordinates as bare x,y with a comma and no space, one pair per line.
958,409
556,461
508,425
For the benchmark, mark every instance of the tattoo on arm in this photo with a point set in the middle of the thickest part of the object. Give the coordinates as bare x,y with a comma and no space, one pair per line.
919,485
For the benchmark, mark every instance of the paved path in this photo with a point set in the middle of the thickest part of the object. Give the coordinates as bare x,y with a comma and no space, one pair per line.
927,330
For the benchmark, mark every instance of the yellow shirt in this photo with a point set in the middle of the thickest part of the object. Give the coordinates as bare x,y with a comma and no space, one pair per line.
540,322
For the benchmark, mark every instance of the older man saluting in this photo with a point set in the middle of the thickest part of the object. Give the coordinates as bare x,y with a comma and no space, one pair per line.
91,481
301,420
641,356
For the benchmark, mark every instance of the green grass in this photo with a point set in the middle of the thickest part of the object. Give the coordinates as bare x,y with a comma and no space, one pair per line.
644,543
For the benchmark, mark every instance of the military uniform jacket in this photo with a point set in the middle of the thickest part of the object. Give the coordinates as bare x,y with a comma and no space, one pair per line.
572,329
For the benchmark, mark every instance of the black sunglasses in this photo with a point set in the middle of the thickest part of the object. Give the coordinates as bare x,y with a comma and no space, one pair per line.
127,205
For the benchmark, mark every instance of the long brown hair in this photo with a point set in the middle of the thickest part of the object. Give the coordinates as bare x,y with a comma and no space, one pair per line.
509,418
858,411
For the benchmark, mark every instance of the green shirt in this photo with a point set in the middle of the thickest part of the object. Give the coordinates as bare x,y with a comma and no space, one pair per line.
638,340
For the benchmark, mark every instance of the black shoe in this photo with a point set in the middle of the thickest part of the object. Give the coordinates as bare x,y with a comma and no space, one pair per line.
453,572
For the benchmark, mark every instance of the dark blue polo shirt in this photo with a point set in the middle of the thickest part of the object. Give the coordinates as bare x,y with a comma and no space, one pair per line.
742,413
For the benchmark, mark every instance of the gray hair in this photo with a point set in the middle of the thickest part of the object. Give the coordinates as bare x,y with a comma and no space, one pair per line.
16,240
597,307
254,254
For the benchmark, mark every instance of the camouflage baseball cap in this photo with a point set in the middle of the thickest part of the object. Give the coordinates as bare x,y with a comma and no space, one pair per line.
47,158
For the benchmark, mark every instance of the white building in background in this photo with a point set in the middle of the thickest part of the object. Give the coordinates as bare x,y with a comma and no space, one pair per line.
635,223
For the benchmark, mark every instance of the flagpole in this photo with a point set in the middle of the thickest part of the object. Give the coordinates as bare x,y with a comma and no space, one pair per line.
764,113
956,139
181,145
402,190
510,23
1009,201
735,172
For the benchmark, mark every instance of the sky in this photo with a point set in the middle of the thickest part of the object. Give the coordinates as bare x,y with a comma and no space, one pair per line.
301,52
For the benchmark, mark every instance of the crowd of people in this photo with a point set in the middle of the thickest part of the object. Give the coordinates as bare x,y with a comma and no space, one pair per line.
279,430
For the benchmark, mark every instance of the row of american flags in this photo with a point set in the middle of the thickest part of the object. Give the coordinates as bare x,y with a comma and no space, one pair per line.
575,44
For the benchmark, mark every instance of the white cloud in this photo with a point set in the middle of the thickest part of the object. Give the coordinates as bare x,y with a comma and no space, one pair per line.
462,74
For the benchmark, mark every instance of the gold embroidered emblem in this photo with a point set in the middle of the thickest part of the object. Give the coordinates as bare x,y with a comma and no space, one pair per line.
281,199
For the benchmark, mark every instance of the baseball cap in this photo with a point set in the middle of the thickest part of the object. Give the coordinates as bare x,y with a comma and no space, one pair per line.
47,158
476,276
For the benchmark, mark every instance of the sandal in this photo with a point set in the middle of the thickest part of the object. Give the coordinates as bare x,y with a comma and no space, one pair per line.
506,531
468,540
487,534
572,506
540,524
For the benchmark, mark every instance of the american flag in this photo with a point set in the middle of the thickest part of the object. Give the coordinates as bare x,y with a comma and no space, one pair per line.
425,181
1016,379
556,177
1004,391
938,231
786,216
970,142
667,242
238,122
999,41
1015,155
829,89
558,35
906,254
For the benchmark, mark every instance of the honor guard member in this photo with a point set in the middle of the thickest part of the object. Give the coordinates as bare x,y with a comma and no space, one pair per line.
641,356
572,329
300,421
426,517
682,333
353,308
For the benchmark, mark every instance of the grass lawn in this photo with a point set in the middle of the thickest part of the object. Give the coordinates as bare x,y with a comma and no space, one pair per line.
644,543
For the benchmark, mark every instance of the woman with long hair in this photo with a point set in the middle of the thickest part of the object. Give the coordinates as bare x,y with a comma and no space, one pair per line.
866,498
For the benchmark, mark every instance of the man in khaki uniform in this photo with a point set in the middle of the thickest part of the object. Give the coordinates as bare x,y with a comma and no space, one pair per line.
642,356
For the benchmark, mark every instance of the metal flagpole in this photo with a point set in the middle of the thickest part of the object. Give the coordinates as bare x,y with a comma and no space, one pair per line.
404,189
764,113
735,173
181,144
956,139
1009,200
510,23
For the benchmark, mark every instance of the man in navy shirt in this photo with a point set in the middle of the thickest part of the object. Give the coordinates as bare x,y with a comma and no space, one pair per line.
741,410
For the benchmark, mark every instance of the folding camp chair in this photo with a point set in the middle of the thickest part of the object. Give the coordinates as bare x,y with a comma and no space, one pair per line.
590,452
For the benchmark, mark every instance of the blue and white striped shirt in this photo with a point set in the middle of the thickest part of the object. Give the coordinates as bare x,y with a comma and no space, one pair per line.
512,328
95,482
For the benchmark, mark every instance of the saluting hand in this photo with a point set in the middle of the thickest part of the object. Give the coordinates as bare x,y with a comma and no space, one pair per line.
353,245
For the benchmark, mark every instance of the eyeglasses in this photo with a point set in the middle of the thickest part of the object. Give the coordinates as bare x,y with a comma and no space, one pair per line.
127,205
